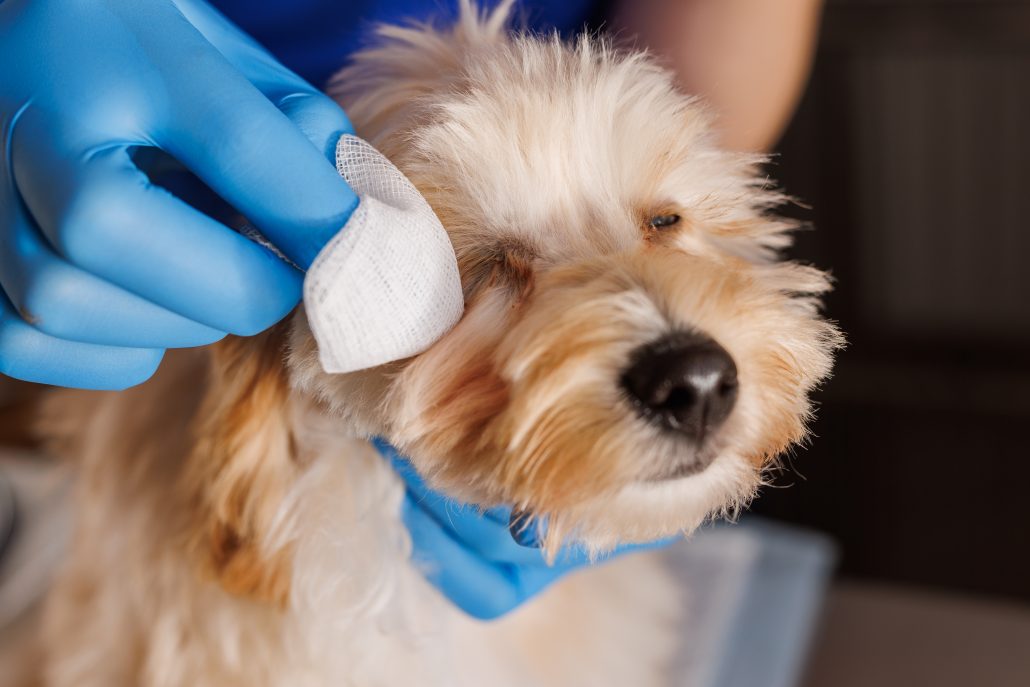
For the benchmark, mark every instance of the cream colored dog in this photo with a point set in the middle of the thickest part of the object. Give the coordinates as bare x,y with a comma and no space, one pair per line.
631,356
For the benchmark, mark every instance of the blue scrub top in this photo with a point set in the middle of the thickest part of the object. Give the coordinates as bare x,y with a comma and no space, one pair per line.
315,37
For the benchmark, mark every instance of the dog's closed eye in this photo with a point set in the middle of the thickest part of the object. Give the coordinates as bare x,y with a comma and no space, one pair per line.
507,263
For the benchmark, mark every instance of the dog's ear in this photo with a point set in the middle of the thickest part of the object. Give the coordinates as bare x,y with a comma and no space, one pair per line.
390,87
244,458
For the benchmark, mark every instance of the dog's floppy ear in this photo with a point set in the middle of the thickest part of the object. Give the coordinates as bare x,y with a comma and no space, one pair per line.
242,462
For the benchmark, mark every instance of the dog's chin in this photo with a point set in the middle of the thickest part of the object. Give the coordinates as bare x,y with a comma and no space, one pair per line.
690,461
652,509
676,472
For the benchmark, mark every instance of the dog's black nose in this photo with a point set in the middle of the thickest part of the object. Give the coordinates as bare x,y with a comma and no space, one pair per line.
686,382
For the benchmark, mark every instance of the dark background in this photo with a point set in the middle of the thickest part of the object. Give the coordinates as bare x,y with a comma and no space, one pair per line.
912,147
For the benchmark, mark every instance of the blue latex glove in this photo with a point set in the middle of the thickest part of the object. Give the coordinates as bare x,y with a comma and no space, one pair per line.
103,270
470,555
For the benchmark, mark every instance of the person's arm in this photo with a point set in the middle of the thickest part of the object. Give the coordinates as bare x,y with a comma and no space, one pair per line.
749,58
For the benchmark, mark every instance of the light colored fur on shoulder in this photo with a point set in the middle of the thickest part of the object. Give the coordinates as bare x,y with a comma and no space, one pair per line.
234,527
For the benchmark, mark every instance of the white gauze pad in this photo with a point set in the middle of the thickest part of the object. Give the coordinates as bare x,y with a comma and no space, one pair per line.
386,286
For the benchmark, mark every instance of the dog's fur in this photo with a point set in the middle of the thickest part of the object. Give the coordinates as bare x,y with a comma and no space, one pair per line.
235,528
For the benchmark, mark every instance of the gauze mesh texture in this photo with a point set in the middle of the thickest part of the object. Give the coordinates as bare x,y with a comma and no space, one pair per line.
386,287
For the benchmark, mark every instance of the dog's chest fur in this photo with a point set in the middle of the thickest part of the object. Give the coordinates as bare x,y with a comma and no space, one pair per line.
131,609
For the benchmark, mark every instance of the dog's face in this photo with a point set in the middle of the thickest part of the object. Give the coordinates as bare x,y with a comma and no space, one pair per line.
631,355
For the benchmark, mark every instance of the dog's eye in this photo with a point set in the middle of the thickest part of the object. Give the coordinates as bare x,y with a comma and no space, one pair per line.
664,221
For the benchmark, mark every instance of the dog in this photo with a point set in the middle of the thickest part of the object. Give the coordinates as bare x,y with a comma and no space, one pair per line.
633,355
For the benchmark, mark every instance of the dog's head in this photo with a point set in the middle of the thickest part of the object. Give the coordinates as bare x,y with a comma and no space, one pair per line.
631,353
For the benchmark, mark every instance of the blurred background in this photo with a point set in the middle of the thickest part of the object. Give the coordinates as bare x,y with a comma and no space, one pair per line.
912,147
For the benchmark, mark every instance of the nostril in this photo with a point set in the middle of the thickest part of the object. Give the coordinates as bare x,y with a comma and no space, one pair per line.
681,397
685,382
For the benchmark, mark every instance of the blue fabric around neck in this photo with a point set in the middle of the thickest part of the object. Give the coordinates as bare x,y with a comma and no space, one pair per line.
315,37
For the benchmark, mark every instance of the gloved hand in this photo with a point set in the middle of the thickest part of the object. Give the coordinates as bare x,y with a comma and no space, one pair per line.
101,269
471,557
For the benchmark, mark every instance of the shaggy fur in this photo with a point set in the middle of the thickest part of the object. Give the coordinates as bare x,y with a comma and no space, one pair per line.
235,528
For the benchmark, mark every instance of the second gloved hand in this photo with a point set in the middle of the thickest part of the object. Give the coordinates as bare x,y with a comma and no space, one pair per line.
101,270
471,557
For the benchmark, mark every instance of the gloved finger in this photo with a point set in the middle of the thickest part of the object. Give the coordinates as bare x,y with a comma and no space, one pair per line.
66,302
481,533
317,116
320,119
259,161
30,355
484,532
106,218
488,532
482,589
